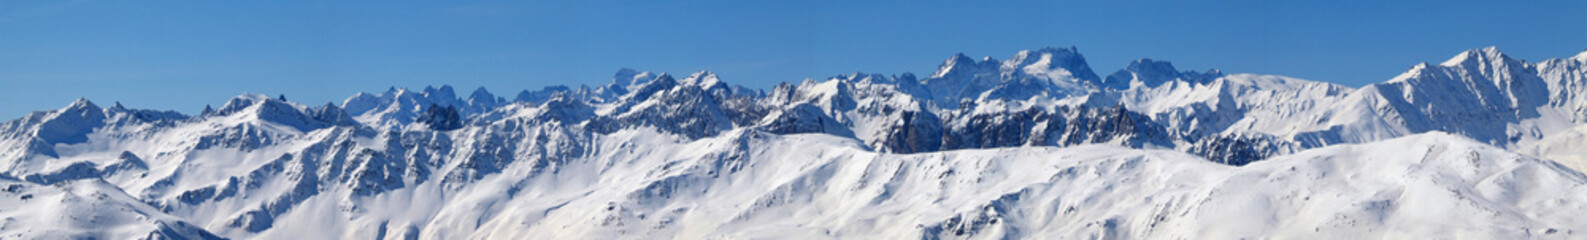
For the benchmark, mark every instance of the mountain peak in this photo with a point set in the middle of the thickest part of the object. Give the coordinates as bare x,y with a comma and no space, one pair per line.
481,93
1052,63
481,100
626,77
246,100
239,102
81,103
266,108
959,63
629,72
1581,56
1147,65
664,77
960,57
1053,50
641,91
71,124
624,81
1485,55
703,79
1146,71
444,89
1029,55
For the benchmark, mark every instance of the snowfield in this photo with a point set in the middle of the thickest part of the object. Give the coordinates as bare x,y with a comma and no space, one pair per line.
84,209
1432,185
1035,147
745,184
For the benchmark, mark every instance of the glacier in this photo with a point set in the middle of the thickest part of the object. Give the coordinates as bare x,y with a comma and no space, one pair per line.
1035,146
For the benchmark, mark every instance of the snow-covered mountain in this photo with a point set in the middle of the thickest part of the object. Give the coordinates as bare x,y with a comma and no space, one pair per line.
1035,146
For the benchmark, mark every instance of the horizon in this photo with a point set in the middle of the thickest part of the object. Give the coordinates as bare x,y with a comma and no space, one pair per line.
181,57
510,94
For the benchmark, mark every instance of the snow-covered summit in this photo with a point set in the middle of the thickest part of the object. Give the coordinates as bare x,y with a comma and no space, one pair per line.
1146,72
1034,146
959,64
1046,72
69,124
1054,64
703,79
482,100
1487,55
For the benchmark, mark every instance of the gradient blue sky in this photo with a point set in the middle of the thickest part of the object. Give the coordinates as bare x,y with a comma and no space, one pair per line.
183,55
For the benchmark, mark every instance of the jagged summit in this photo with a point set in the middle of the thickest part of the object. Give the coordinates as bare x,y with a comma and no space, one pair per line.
1028,147
960,64
262,109
1581,56
628,77
482,100
1483,56
624,75
80,103
1053,64
626,80
703,79
481,94
1151,73
1489,64
867,105
1148,65
243,101
444,92
70,124
1049,72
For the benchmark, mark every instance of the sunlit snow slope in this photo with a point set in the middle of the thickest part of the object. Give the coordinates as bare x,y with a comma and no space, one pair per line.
1037,146
814,186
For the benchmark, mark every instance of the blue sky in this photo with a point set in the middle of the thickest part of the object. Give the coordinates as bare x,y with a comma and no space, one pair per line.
183,55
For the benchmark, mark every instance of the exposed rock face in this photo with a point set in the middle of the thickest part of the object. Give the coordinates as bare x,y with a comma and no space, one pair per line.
441,118
647,152
1239,150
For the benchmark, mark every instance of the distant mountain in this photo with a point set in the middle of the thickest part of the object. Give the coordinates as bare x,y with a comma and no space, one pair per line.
1035,146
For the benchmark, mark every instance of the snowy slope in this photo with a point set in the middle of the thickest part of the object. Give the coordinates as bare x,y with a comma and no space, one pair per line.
814,186
87,209
1568,147
1036,146
746,184
749,185
1480,93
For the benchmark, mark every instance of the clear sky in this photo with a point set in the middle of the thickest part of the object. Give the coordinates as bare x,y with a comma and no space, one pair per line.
183,55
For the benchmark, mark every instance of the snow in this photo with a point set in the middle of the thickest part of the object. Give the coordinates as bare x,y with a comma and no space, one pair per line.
83,209
1569,148
819,186
1035,146
822,186
957,63
1042,68
1474,55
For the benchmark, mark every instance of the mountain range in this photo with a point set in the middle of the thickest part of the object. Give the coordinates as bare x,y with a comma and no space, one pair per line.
1038,145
